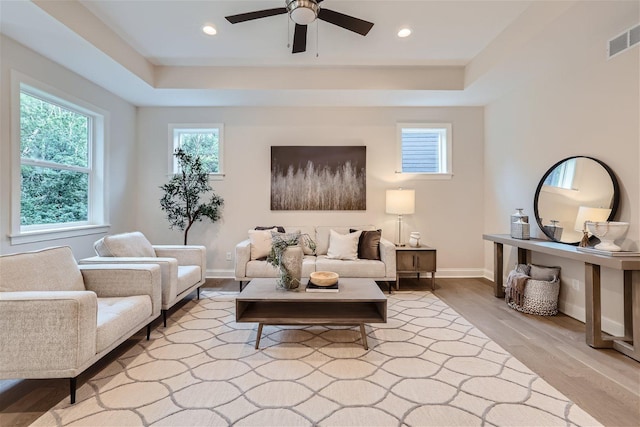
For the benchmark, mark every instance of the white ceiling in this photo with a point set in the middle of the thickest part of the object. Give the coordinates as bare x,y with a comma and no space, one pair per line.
153,52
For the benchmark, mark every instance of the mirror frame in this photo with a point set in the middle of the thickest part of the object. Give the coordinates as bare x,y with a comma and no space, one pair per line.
616,194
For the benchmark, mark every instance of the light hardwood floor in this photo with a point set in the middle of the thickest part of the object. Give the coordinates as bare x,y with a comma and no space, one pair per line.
605,383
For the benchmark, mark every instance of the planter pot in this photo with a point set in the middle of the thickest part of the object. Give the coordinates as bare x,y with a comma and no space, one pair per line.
290,267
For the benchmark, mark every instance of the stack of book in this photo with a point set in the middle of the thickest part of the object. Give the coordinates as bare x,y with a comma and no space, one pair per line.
607,253
315,288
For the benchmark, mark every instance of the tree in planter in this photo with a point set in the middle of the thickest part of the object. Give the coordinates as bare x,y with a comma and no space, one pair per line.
181,200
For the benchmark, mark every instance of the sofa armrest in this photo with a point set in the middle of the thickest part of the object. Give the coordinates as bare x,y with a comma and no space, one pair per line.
186,255
168,270
124,280
388,256
46,334
243,255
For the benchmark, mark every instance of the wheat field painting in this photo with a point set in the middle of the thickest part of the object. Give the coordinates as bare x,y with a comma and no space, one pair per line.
318,178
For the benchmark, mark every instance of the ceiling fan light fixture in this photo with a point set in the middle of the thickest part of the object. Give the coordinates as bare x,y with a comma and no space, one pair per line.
303,12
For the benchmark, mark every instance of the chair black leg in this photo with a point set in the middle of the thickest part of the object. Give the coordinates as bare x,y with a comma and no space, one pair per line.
164,318
198,290
72,389
148,331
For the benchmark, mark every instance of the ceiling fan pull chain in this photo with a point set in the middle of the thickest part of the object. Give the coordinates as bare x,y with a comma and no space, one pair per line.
288,33
317,38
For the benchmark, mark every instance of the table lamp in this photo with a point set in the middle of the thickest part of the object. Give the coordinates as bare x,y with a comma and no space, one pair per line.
401,202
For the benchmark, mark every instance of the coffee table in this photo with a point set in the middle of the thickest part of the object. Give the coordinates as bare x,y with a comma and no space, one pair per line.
359,301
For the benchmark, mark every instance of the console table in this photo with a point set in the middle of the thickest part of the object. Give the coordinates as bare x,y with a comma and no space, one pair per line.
592,263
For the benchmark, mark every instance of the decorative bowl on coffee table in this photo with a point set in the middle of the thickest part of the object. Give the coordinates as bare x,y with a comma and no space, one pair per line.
323,278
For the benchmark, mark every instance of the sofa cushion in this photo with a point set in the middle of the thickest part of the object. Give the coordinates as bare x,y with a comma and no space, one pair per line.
343,246
322,235
133,244
117,316
261,242
264,269
358,268
369,244
188,275
51,269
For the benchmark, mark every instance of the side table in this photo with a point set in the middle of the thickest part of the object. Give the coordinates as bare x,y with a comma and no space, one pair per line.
415,261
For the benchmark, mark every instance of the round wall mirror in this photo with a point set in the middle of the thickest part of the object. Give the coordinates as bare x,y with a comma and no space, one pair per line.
572,191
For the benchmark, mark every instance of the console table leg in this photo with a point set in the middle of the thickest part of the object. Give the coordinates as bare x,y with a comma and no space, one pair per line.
593,307
498,267
364,337
259,335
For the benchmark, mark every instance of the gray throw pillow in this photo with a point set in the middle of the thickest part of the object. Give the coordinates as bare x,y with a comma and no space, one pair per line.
547,274
277,227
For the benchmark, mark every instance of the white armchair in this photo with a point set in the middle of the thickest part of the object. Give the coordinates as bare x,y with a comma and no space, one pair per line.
183,267
58,319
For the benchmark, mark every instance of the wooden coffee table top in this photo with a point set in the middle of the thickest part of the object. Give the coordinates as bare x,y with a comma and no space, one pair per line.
351,289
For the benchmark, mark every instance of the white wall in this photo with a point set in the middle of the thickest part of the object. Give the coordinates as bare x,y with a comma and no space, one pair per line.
120,148
589,106
448,213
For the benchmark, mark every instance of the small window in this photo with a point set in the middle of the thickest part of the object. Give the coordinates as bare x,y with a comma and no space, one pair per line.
203,140
425,149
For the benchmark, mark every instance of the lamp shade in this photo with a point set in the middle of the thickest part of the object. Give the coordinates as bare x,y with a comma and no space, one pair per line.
586,213
401,202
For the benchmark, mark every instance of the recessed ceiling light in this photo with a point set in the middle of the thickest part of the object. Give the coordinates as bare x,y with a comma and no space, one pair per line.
405,32
210,30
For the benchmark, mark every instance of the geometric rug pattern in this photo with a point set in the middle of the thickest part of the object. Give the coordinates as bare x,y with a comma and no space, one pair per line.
426,366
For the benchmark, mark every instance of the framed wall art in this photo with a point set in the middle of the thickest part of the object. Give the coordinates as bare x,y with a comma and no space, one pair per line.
321,178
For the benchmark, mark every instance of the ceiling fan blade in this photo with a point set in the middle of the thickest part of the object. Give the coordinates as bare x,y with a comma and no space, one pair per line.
300,39
347,22
249,16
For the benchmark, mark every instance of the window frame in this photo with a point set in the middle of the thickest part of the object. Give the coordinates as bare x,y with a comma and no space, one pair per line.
172,164
446,148
97,212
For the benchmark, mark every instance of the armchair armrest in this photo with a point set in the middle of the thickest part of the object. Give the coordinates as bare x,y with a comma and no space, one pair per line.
388,256
46,334
123,280
168,270
243,255
186,255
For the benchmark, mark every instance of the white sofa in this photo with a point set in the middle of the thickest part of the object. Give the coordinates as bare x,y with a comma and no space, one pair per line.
58,319
379,270
183,267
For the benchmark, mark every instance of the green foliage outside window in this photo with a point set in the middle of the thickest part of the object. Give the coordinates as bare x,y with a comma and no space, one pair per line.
54,144
203,145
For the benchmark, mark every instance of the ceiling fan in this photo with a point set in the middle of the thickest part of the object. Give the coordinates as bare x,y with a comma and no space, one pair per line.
304,12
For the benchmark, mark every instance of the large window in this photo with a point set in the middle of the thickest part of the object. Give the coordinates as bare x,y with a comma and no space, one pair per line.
58,184
203,140
424,149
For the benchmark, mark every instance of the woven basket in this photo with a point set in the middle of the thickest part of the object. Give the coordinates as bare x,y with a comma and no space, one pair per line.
540,297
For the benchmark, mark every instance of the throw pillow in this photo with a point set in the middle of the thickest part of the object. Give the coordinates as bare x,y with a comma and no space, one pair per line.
260,243
547,274
369,244
343,246
277,227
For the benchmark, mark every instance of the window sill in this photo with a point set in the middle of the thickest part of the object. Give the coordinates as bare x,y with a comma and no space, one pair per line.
55,234
427,176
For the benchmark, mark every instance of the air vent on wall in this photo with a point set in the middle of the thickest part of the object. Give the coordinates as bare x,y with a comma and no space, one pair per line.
623,42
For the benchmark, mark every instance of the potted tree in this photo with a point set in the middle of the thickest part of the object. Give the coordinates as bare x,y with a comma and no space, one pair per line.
182,194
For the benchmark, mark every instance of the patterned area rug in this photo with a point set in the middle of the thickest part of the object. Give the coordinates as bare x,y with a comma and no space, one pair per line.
426,366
